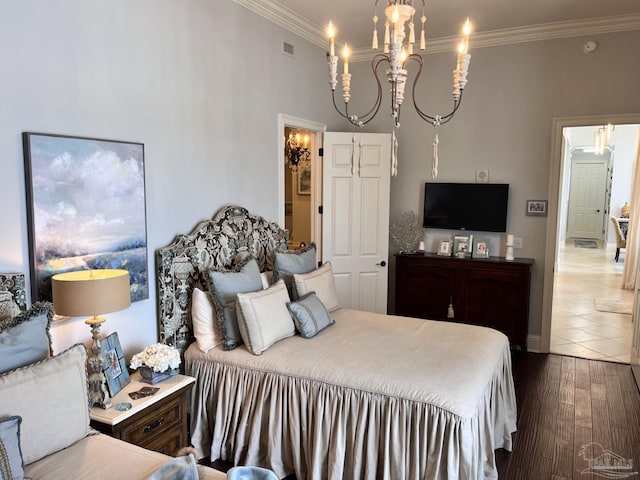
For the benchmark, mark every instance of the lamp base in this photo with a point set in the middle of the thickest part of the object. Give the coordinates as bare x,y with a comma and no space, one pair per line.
98,393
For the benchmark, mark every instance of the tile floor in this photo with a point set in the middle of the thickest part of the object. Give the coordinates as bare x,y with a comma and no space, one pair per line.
577,329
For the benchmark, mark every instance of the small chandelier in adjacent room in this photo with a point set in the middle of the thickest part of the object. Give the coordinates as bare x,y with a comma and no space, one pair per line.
601,138
397,54
296,150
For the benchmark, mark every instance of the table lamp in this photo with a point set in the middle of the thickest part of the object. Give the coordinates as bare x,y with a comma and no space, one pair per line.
92,292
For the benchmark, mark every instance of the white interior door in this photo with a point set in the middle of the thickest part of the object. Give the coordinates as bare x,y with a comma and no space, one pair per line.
587,196
355,221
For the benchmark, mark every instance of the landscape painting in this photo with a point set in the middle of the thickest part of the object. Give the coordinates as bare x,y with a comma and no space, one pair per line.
85,209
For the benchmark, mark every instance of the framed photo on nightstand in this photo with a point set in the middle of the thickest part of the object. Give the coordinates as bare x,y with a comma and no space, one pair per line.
114,365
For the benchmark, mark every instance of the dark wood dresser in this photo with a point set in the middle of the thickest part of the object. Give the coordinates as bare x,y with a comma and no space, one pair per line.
490,292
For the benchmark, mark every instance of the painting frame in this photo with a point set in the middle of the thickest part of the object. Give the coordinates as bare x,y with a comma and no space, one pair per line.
114,366
94,188
304,180
536,208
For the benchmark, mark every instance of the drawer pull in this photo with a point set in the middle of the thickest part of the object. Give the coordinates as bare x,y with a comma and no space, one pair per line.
152,426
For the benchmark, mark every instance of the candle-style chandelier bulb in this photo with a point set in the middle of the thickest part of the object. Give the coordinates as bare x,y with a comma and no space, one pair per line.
374,43
296,150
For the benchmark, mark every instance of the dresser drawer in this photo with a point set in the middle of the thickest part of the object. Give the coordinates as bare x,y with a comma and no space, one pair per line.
158,421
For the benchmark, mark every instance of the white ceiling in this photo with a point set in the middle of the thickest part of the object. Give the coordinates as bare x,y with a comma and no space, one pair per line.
495,22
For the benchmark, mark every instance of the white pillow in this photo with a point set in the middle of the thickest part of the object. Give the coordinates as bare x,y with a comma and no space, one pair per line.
263,317
320,281
266,278
205,321
51,397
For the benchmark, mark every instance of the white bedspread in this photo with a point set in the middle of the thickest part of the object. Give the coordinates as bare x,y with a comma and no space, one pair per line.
374,396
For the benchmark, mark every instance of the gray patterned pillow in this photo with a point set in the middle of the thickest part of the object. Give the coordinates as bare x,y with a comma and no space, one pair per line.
225,285
287,263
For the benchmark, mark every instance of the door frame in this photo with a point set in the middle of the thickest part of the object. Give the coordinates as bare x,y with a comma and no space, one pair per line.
555,193
318,130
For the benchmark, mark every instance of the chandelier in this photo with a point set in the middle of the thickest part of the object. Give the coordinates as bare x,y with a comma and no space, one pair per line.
296,150
397,54
601,138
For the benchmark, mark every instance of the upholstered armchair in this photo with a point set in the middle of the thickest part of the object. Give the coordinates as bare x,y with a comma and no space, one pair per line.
621,240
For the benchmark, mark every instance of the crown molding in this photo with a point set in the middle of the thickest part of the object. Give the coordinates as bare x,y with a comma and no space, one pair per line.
287,19
291,21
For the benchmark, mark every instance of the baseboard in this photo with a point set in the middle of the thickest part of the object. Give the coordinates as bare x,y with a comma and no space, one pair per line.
533,343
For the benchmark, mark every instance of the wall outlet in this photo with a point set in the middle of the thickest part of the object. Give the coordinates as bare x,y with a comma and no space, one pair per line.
517,242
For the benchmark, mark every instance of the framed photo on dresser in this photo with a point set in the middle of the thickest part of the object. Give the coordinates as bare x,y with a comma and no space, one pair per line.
481,248
445,248
462,245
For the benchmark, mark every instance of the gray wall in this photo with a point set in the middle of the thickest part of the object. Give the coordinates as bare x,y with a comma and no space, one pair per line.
505,122
199,82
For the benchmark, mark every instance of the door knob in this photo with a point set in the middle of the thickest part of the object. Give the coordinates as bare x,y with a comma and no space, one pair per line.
382,263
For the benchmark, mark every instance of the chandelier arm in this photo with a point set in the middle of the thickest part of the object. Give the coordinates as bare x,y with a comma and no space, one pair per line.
375,62
456,104
361,120
343,115
437,119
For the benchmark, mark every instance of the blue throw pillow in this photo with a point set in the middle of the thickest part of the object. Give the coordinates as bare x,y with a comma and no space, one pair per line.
287,263
11,465
310,315
225,285
26,339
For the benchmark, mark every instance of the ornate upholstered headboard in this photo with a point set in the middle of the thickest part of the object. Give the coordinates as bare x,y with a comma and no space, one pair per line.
231,235
13,296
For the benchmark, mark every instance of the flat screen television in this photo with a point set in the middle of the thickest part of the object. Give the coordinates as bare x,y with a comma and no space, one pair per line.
478,207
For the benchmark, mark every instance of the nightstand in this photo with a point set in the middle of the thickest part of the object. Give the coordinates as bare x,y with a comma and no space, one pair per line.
157,422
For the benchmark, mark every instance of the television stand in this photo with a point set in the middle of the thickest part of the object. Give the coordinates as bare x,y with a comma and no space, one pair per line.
490,292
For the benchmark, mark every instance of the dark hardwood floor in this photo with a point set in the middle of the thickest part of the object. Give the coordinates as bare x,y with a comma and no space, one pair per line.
570,410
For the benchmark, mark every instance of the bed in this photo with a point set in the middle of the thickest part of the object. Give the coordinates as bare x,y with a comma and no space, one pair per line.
371,396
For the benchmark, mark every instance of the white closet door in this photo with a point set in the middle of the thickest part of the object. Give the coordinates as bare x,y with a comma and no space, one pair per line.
355,223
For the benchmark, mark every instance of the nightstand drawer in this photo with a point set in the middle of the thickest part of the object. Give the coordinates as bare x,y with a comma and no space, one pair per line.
158,421
168,443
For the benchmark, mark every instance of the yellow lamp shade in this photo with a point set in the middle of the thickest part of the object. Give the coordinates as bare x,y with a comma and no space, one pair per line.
90,292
